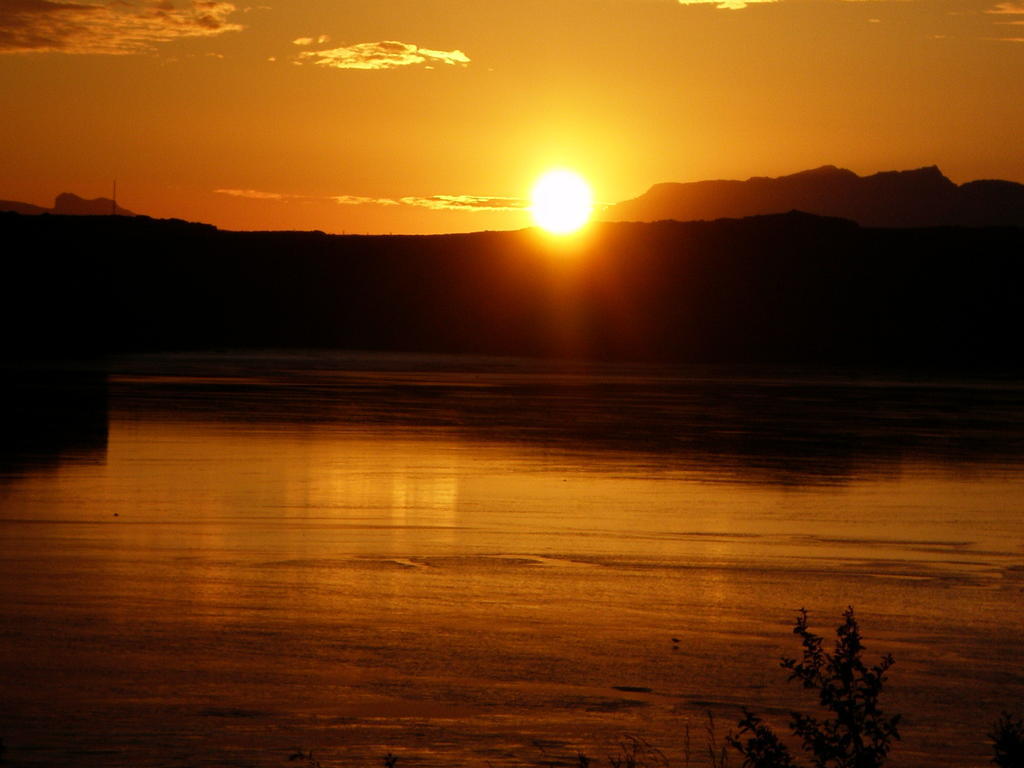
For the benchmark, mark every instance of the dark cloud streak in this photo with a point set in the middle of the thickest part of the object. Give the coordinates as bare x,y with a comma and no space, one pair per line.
41,26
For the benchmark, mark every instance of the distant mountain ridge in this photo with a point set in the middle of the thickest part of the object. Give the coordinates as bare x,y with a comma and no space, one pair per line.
68,204
917,198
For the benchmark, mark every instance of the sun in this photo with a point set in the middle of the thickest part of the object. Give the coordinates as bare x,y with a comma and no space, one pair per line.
561,201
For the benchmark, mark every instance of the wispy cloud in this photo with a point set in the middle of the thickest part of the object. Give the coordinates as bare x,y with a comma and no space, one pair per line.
1008,8
733,5
319,40
360,200
467,203
115,28
433,202
1014,11
254,194
284,197
386,54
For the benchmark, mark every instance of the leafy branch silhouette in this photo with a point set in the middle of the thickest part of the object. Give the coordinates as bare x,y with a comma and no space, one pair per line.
857,733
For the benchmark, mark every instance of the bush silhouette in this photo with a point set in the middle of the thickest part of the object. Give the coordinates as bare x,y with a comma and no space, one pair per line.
855,734
1007,736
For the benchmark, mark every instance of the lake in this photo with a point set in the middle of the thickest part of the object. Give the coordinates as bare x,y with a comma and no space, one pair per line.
224,559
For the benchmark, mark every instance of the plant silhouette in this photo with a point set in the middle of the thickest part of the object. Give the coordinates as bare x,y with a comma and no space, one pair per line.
1007,736
855,734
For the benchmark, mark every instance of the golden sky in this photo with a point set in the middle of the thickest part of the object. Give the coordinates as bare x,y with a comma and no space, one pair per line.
438,115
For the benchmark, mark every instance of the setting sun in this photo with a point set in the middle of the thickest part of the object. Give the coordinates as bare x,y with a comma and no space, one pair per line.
561,202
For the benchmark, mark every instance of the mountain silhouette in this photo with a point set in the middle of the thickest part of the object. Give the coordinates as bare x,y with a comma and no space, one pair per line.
24,208
917,198
67,204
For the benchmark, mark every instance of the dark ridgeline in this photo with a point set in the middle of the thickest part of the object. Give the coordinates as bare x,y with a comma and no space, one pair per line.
918,198
24,208
790,288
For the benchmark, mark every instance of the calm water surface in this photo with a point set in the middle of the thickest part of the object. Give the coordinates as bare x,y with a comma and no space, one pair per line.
215,560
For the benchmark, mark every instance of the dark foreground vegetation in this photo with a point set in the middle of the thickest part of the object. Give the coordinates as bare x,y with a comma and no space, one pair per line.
781,288
854,732
847,729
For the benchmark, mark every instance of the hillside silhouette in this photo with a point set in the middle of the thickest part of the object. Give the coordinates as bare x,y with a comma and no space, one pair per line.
67,204
918,198
782,288
26,209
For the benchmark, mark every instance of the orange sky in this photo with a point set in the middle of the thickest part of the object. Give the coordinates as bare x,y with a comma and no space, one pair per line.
437,115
